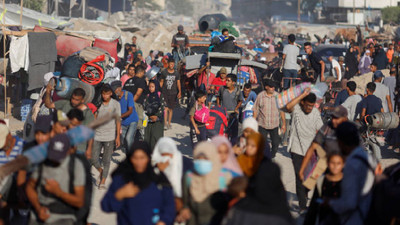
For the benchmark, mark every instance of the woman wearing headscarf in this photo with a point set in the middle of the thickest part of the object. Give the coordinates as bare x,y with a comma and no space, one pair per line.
203,200
139,194
265,201
173,164
351,63
227,156
365,62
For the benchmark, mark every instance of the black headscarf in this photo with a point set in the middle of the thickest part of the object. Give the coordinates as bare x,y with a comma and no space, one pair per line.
142,180
351,63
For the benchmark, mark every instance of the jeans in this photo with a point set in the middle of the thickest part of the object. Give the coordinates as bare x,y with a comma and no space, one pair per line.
177,56
288,74
233,128
196,138
106,159
300,189
275,139
128,136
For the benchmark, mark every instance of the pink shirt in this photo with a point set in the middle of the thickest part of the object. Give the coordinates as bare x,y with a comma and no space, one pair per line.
124,78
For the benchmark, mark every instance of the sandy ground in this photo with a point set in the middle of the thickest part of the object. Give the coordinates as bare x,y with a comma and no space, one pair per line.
180,133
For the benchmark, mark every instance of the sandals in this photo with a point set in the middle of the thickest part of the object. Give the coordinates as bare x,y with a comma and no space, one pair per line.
397,150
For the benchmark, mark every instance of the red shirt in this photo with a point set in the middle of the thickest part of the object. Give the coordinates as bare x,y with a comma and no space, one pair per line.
202,79
218,81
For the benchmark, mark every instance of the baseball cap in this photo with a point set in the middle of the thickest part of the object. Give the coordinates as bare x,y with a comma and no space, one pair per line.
180,28
61,117
223,70
115,84
43,123
58,148
339,111
378,74
4,131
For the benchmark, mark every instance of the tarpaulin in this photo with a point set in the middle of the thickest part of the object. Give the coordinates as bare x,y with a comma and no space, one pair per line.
67,45
110,47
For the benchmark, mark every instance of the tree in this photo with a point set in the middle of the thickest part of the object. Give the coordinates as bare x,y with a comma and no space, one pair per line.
34,4
391,14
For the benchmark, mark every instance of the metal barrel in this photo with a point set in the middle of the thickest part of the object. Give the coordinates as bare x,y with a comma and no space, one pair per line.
210,21
385,120
64,87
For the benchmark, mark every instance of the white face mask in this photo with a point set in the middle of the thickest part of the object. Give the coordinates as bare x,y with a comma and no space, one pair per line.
165,159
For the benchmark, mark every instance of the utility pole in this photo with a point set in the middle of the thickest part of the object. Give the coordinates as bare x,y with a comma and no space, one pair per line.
354,11
365,12
109,9
84,9
298,10
56,5
123,6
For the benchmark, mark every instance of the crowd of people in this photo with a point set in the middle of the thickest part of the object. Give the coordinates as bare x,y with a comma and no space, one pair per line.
231,178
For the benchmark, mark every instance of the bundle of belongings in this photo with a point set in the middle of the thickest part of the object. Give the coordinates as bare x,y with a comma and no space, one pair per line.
225,44
89,65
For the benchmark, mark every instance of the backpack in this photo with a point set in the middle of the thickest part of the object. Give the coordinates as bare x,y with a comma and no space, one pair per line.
72,66
59,206
202,114
217,122
385,204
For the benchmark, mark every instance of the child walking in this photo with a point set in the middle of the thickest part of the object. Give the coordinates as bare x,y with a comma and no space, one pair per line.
106,136
154,108
328,187
199,115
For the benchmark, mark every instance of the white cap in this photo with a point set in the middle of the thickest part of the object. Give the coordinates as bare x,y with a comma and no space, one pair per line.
47,77
250,123
263,59
3,134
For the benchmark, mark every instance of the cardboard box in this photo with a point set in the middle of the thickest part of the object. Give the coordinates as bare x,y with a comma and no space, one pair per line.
315,168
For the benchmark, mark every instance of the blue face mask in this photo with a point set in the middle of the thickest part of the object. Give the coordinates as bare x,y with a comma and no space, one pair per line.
202,166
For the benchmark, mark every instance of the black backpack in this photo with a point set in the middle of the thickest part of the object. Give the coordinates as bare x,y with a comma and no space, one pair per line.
59,206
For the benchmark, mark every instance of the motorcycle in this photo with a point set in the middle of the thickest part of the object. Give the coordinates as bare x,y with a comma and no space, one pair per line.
374,129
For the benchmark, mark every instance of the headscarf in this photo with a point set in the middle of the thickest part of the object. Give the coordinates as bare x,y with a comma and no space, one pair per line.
153,97
250,164
142,180
175,167
203,186
231,163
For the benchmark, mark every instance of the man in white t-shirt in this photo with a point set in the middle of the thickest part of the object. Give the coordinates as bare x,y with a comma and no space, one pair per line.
382,92
289,63
352,101
335,67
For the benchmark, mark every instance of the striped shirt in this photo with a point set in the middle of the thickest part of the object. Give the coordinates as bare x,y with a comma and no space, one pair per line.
267,111
16,150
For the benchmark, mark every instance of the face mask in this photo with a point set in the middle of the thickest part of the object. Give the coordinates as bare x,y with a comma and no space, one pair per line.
165,159
202,166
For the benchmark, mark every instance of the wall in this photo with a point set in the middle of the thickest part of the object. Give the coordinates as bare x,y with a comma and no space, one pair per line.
375,4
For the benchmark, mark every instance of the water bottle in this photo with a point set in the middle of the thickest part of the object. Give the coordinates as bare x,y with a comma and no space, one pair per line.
145,120
156,216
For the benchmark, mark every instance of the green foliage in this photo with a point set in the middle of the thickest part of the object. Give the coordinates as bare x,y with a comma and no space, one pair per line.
182,7
391,14
34,4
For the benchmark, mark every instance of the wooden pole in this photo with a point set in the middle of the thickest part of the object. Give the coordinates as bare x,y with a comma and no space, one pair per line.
354,11
20,16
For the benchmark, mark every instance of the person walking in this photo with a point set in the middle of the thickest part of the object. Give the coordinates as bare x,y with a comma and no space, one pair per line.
138,194
268,115
289,61
306,121
106,136
170,83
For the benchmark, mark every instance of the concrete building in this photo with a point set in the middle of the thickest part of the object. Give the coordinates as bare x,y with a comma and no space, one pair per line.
356,11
